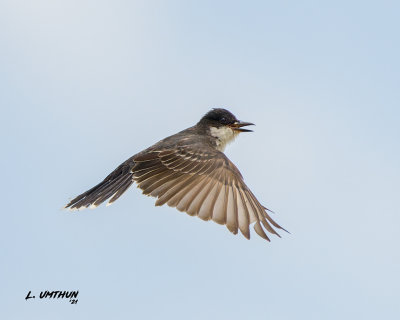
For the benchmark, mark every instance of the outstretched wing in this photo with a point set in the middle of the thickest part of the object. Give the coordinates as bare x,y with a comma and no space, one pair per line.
203,182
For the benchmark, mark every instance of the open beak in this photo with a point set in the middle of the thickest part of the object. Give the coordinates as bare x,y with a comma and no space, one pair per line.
238,126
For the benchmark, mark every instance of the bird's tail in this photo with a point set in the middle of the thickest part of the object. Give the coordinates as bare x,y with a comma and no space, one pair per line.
113,186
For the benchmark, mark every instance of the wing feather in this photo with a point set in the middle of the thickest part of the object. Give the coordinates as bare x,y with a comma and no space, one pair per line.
185,193
219,212
243,215
169,194
201,181
207,208
262,214
174,179
190,194
152,184
201,195
232,211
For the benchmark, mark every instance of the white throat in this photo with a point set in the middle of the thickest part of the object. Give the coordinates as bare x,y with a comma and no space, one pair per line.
224,136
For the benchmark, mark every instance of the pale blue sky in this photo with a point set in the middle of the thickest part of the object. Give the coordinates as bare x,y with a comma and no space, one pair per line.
86,84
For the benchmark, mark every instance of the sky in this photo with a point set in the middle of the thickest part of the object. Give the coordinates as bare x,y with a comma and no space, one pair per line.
84,85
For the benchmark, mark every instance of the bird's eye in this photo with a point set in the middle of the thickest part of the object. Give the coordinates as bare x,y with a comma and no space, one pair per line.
223,119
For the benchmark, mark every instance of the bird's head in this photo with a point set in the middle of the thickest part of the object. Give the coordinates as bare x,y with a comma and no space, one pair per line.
223,125
220,118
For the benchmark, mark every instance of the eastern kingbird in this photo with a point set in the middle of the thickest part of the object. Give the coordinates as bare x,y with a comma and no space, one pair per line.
189,171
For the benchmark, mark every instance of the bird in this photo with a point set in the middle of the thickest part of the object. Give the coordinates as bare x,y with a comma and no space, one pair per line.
189,171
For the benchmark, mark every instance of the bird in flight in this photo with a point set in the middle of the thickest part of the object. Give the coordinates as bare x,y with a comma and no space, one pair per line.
189,171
